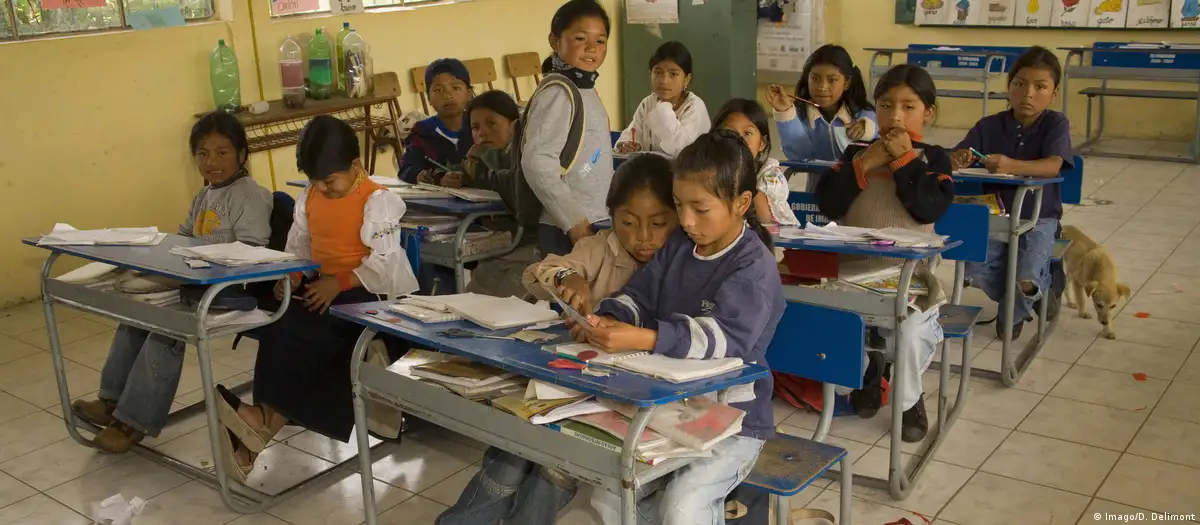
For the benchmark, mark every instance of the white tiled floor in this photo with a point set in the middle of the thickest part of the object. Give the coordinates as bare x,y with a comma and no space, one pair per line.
1079,435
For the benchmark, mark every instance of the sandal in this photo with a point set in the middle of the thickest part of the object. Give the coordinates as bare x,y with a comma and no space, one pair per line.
229,447
255,439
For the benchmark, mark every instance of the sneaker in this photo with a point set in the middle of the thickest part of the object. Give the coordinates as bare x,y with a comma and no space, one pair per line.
117,438
1016,330
869,399
915,423
98,412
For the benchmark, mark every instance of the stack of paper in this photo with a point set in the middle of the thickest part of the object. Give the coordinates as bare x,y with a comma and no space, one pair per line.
67,235
677,370
835,233
388,182
416,357
579,407
500,313
233,254
90,273
432,223
983,172
469,379
424,311
420,192
527,409
699,423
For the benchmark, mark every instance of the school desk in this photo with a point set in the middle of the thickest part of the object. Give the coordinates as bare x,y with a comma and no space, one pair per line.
592,464
176,321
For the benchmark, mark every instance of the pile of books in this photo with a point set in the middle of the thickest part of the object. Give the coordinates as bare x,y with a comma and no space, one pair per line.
67,235
474,381
233,254
835,233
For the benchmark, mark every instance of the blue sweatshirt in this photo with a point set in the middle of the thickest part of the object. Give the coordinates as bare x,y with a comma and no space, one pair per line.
809,136
430,138
724,305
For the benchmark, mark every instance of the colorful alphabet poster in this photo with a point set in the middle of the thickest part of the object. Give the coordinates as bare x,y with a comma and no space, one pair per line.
1108,13
1033,13
1000,13
967,12
1148,14
1185,14
1070,13
934,12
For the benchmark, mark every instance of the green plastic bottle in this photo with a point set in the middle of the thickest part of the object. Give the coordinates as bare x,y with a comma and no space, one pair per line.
226,82
320,67
337,56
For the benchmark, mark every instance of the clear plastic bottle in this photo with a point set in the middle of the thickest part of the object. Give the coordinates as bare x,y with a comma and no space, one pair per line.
320,67
291,73
358,70
225,79
337,56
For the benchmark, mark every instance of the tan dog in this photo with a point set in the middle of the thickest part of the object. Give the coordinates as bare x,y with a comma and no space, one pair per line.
1092,273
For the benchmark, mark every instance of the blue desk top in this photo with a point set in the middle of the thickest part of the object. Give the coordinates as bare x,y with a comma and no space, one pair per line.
157,260
1008,181
529,360
863,249
455,206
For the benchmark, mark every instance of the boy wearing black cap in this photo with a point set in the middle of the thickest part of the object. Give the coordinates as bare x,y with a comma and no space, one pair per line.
442,138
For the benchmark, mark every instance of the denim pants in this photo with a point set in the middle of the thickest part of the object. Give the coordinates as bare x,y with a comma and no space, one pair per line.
511,490
1033,264
692,495
141,375
553,241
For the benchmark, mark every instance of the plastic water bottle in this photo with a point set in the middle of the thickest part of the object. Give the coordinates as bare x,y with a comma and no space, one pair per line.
320,67
337,55
226,82
291,73
358,70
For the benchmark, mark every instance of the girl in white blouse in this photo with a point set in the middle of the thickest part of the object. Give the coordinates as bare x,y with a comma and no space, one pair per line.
671,117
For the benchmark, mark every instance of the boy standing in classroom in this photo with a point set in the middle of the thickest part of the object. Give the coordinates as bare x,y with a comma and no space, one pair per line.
442,138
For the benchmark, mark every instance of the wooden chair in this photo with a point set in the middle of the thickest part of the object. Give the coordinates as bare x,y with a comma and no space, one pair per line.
482,71
523,65
418,78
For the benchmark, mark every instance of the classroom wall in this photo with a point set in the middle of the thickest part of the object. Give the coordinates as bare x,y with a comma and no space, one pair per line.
98,124
858,24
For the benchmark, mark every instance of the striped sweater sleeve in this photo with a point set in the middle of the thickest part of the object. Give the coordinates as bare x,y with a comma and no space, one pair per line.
731,329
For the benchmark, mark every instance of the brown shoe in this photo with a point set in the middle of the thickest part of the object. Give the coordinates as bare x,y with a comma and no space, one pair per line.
117,438
98,412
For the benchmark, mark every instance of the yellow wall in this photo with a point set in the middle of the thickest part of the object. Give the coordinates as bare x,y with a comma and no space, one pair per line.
98,124
858,24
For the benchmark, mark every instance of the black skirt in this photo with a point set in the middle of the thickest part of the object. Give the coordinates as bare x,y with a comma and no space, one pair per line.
303,366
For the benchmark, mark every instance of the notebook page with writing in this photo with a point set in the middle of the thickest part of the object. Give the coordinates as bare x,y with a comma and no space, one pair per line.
677,370
602,357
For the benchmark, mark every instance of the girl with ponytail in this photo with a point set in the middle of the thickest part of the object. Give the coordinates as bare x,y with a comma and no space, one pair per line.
711,292
842,110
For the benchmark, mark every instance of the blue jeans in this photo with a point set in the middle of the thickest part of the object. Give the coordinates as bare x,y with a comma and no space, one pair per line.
692,495
511,490
553,241
141,375
1033,265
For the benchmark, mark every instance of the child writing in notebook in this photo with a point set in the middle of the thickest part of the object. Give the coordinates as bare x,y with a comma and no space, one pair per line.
1032,140
841,112
711,292
671,117
508,487
748,120
441,138
896,181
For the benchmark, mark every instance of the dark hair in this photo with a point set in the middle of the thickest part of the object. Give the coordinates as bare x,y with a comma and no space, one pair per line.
724,154
912,76
327,145
573,10
674,51
453,66
1037,57
753,111
227,126
855,95
500,102
643,170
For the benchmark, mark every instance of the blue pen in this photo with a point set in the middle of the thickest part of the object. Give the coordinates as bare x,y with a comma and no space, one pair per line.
978,154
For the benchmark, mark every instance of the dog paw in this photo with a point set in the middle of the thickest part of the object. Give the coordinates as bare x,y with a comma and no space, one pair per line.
1110,335
1085,315
1071,304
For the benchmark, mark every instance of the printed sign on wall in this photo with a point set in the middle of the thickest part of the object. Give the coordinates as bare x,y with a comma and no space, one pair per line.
1185,13
999,12
1069,13
934,12
1033,13
1108,13
967,12
1148,14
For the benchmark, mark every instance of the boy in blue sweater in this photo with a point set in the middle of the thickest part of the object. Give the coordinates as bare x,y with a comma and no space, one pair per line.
444,137
711,292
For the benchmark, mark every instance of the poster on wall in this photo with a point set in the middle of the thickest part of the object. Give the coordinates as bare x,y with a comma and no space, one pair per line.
288,7
652,11
1033,13
934,12
1185,13
1148,14
999,13
1069,13
967,12
785,45
1108,13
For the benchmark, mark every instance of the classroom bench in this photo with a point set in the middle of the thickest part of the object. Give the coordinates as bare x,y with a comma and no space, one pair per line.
970,64
1132,62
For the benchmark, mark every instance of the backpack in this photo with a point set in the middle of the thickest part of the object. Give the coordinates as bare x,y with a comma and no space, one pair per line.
514,190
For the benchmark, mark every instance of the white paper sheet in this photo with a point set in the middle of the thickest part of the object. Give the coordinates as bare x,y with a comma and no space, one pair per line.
652,11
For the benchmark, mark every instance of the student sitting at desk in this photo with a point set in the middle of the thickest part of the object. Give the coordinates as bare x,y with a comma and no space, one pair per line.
141,374
897,181
841,112
350,226
573,200
440,138
748,120
711,292
1031,140
671,117
519,491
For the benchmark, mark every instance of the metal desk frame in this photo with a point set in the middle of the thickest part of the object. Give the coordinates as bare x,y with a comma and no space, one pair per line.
622,474
177,323
884,312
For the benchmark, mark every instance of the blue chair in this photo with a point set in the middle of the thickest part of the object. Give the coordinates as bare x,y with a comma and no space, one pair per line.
616,135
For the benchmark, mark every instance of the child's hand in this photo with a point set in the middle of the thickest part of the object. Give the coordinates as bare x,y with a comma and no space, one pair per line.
897,142
475,152
426,177
318,295
962,158
857,129
578,331
778,101
615,336
628,147
454,179
574,291
997,164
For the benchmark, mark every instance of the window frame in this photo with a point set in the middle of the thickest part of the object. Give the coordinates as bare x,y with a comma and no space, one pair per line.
9,14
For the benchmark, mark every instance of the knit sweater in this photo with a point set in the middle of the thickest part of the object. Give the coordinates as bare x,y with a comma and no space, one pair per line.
659,127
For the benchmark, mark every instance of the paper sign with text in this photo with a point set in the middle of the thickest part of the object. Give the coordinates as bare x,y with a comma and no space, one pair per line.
287,7
346,7
71,4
